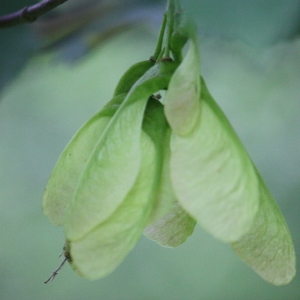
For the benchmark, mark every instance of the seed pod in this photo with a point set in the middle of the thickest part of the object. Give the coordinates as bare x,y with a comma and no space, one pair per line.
213,176
182,98
131,76
88,185
169,224
68,170
116,153
100,251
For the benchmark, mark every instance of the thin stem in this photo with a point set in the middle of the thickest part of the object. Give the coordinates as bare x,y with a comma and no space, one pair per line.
29,13
160,38
170,23
177,15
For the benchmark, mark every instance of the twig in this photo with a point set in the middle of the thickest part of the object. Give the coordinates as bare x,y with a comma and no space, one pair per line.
29,13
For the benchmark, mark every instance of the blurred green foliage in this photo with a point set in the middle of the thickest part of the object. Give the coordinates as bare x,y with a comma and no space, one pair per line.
257,87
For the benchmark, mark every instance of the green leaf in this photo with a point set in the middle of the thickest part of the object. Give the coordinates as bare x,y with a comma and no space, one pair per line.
212,175
268,246
169,225
113,167
100,251
67,172
182,98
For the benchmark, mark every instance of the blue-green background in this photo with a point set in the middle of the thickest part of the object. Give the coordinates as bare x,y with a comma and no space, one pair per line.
250,58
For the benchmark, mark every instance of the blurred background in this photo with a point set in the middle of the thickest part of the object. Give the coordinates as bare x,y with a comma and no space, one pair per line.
61,70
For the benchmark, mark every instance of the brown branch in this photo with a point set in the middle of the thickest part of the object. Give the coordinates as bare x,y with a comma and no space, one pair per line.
29,13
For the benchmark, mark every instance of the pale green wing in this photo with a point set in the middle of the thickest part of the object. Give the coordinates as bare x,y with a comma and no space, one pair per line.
105,247
66,174
212,175
182,98
112,169
169,225
172,229
165,194
268,246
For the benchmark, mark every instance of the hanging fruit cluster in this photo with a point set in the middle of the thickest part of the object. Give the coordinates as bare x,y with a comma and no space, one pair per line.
159,157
